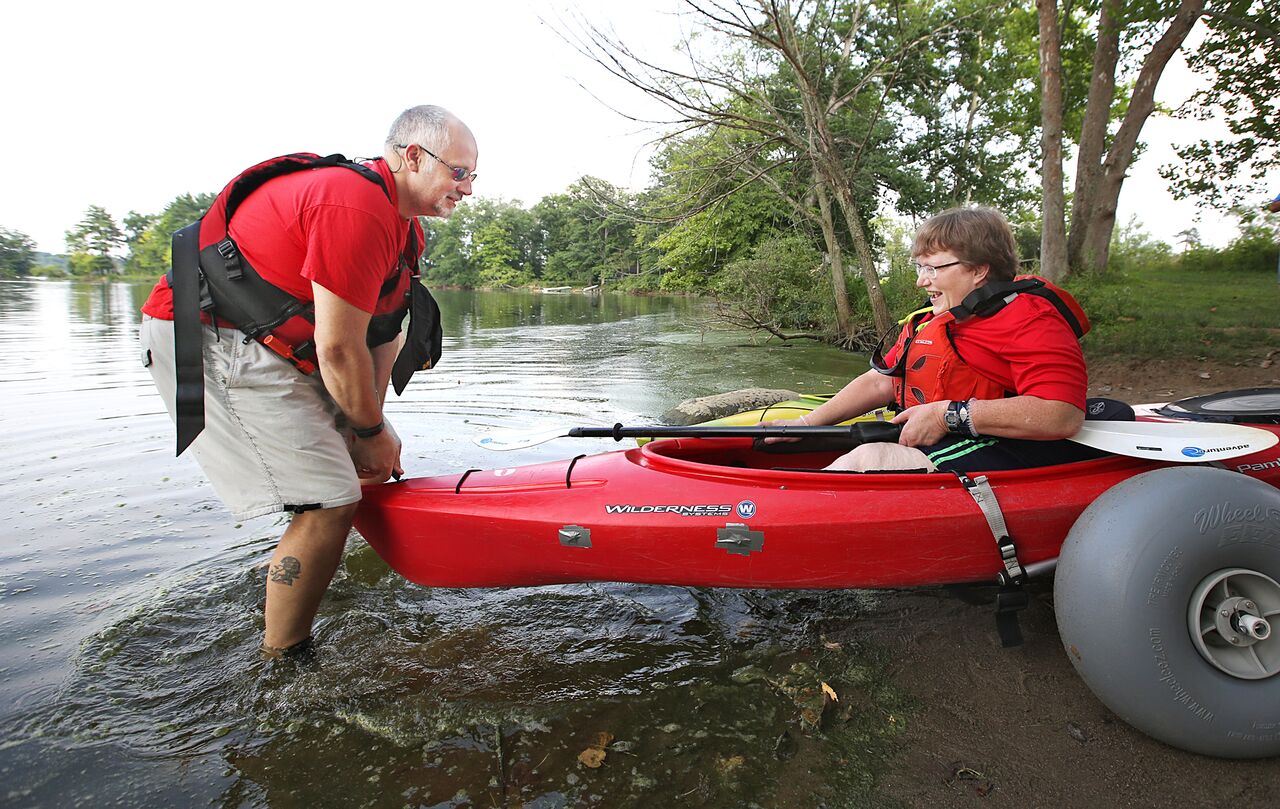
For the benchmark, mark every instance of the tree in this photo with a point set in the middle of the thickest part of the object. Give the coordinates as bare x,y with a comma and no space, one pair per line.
772,290
484,243
17,253
91,241
1239,57
805,84
1053,240
587,234
149,237
1126,32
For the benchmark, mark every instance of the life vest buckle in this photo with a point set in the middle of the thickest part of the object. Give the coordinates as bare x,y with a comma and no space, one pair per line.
286,351
231,257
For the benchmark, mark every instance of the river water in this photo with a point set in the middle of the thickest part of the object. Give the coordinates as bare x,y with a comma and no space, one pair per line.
130,603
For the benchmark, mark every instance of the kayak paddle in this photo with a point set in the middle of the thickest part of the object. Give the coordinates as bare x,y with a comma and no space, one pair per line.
858,433
1173,441
1176,441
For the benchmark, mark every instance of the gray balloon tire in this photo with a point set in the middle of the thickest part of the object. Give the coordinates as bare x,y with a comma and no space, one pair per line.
1125,579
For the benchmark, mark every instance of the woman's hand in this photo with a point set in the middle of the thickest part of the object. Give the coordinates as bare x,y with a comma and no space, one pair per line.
923,425
802,421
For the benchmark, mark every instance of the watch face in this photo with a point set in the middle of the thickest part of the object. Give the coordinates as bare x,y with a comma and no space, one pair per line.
952,418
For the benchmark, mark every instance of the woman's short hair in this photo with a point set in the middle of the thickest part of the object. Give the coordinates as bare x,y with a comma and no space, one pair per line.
975,236
426,125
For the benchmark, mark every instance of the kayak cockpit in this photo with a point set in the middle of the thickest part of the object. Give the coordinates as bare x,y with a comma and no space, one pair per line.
739,459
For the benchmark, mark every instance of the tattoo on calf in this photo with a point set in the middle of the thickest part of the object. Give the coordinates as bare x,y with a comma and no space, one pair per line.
288,569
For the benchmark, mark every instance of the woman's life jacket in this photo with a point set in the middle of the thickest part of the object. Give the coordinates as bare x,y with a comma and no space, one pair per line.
927,367
211,275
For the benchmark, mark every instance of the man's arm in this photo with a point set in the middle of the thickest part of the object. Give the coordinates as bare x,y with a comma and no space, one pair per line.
384,357
348,368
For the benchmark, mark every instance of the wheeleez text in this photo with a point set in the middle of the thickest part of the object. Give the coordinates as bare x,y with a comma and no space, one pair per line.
1180,694
1207,519
684,511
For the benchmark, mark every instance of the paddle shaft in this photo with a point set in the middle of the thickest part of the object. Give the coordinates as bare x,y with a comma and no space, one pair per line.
858,432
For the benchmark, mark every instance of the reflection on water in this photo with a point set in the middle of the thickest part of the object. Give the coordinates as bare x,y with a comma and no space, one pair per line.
131,604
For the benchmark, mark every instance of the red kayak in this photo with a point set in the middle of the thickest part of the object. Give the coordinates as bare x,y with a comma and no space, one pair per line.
1167,580
716,513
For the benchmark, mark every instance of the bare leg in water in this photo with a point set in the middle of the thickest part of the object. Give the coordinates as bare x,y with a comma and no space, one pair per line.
300,571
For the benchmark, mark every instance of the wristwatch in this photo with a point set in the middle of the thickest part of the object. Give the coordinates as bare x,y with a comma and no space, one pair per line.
368,432
959,419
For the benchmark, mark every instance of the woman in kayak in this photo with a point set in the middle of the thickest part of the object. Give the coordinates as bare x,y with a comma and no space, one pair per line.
990,376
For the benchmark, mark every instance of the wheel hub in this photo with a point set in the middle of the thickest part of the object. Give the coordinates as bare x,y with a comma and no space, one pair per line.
1230,617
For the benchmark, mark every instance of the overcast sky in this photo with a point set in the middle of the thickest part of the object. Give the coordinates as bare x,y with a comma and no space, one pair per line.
129,104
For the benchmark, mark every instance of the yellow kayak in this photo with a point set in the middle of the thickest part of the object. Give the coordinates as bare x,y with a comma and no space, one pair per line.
789,409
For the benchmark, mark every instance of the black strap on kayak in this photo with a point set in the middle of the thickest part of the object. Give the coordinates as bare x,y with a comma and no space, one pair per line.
188,345
1012,597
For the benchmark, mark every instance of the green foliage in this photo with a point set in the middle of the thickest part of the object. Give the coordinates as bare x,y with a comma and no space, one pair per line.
1238,57
588,234
484,243
1204,303
92,241
17,253
775,285
698,246
48,271
149,237
1255,252
969,105
1133,248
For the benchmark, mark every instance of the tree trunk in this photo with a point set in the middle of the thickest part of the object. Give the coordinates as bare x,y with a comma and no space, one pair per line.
1053,237
1093,132
844,316
827,162
1099,208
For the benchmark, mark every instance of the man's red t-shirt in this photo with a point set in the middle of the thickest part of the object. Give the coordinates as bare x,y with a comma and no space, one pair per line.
330,225
1027,348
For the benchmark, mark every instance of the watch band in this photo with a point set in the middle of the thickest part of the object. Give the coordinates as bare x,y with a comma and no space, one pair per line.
368,432
959,418
966,418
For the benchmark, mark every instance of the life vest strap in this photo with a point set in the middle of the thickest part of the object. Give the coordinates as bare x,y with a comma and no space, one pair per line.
188,348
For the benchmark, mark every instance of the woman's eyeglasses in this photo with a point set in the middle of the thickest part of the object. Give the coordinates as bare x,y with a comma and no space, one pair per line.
924,269
457,172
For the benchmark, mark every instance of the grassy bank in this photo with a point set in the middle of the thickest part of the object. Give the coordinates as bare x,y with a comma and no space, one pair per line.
1177,313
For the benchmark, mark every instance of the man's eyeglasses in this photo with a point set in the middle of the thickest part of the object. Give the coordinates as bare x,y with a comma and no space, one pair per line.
926,270
457,172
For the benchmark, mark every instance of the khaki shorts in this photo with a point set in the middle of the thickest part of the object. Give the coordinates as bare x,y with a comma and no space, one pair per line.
272,439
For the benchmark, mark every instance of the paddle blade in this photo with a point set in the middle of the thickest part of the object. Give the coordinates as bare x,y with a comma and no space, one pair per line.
1177,442
503,440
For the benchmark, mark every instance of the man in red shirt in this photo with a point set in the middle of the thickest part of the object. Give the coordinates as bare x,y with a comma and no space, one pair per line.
977,392
276,439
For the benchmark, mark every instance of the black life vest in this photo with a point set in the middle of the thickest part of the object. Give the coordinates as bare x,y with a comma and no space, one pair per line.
210,274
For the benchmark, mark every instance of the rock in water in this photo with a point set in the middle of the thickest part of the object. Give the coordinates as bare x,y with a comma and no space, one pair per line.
705,408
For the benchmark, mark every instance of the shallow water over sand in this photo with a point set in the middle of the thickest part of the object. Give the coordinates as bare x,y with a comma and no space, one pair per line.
131,602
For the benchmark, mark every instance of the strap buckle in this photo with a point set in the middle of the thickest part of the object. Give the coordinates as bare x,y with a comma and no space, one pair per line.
231,257
286,351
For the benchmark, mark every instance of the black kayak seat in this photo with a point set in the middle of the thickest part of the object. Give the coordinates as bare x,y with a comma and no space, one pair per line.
1098,408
